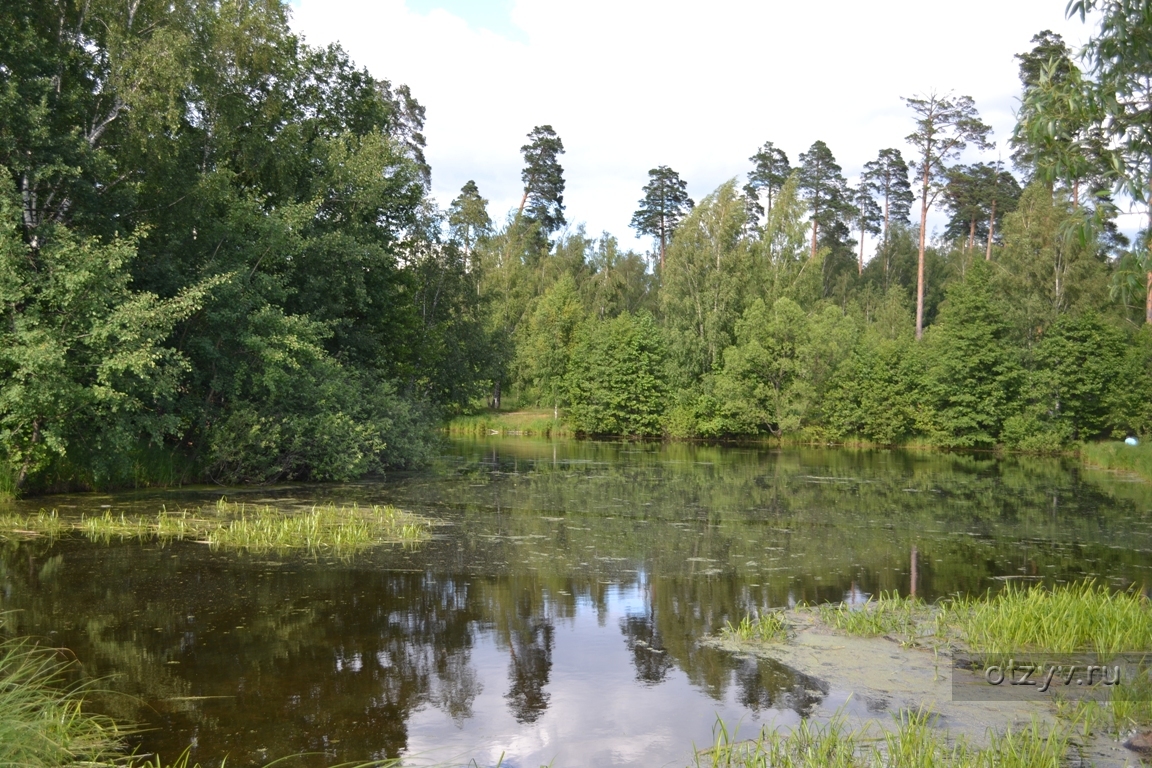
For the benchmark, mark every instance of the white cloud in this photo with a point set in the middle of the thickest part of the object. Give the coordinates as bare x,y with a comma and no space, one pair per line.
632,84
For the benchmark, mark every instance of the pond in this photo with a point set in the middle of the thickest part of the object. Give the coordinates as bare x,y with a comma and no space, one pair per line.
558,611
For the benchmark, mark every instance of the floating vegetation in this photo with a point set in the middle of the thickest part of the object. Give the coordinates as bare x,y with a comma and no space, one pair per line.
913,742
889,614
321,529
765,628
340,530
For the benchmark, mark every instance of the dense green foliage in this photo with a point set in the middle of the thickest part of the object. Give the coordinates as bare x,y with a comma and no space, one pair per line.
219,259
1019,326
216,242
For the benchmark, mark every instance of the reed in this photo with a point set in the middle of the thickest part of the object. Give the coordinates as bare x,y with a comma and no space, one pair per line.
1067,619
43,523
766,628
889,614
536,422
912,742
42,722
1115,455
323,529
319,530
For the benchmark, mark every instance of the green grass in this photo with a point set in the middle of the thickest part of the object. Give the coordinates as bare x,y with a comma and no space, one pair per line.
889,614
1067,619
1116,455
7,480
913,742
829,745
534,422
42,722
323,529
1127,707
767,628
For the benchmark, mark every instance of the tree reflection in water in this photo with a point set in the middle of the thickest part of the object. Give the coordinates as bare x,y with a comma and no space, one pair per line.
341,658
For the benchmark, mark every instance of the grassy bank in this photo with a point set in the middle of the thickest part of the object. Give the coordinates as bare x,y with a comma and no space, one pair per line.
321,530
1015,622
531,422
912,742
42,722
1117,456
1071,618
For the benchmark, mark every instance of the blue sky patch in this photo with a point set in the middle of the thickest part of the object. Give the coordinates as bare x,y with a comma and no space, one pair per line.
493,15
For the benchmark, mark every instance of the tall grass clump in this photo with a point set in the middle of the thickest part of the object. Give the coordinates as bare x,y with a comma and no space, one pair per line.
321,529
912,742
1068,619
42,722
1136,459
43,523
767,628
889,614
810,744
537,423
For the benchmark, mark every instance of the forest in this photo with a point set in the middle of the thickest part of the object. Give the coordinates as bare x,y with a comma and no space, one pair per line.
220,260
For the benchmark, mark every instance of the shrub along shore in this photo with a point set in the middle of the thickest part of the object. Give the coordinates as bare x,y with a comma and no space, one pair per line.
1113,455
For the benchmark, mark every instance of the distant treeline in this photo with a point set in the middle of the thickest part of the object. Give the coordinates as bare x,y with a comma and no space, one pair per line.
219,260
1024,324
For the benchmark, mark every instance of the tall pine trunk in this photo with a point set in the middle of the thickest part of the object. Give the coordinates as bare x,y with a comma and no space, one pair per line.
991,230
920,259
663,237
860,263
1148,300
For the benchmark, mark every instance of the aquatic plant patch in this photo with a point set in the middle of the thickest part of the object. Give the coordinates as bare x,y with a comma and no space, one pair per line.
912,742
767,627
904,618
321,529
1067,619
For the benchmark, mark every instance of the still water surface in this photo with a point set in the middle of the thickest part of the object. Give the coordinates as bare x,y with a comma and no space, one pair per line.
557,613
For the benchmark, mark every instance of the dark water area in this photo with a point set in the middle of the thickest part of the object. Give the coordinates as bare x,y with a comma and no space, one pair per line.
557,613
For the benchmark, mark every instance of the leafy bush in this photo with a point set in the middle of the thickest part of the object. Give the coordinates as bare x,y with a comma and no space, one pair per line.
616,379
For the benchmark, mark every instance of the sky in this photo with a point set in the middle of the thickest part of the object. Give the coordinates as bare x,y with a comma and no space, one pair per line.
633,84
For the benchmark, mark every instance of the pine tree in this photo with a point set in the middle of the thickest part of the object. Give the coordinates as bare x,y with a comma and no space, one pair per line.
664,205
886,177
543,180
468,219
1059,136
967,195
770,169
823,186
866,216
945,124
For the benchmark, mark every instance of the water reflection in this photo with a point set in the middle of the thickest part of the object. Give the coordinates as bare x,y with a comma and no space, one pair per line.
558,612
